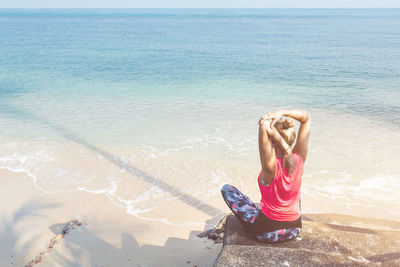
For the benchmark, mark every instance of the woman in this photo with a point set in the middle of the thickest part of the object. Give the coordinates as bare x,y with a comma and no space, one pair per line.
278,218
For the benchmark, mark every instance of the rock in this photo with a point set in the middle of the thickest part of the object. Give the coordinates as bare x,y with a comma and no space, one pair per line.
328,239
215,233
205,233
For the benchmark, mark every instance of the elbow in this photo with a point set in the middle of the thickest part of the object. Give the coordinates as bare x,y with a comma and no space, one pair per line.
307,116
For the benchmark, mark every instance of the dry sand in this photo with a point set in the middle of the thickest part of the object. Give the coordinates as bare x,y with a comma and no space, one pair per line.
29,219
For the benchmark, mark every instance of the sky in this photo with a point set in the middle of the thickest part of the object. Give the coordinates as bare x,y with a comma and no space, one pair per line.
200,4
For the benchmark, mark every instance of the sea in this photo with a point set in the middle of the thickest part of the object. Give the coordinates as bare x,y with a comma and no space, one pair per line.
157,109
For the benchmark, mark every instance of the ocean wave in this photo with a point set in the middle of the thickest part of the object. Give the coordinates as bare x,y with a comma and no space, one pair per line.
341,188
54,169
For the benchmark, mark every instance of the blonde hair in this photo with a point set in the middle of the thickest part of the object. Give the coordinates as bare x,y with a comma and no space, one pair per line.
285,127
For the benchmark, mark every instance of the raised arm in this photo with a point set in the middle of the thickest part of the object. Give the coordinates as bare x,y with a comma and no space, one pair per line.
267,154
287,159
301,146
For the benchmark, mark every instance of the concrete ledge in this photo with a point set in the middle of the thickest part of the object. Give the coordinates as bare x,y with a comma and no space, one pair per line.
328,239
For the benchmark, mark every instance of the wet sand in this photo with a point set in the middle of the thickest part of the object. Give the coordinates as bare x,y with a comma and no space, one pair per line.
108,237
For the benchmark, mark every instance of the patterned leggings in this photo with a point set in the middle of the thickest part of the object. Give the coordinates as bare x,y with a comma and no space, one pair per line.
246,211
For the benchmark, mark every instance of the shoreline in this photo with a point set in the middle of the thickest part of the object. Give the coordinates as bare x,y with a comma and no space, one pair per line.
333,181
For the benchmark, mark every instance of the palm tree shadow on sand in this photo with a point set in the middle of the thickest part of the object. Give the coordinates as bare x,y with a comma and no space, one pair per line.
130,250
12,241
17,113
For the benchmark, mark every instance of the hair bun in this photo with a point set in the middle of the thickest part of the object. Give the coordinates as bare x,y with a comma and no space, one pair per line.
284,123
286,129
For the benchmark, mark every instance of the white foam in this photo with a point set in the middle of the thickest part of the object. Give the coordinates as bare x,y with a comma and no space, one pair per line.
167,151
43,161
34,180
367,192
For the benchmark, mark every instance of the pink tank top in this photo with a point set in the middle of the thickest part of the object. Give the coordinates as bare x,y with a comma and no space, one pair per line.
280,199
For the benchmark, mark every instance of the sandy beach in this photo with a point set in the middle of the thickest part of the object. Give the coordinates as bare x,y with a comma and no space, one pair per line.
108,237
131,120
161,225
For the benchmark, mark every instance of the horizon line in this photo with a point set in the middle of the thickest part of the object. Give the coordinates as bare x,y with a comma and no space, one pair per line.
200,7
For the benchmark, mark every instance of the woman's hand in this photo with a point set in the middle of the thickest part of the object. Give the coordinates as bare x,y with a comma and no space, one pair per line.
267,126
272,132
274,116
303,134
262,122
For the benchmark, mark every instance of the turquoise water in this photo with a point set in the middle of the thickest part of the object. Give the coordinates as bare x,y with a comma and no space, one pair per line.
194,82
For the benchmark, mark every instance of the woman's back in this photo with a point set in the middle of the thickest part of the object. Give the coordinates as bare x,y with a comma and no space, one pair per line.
280,199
